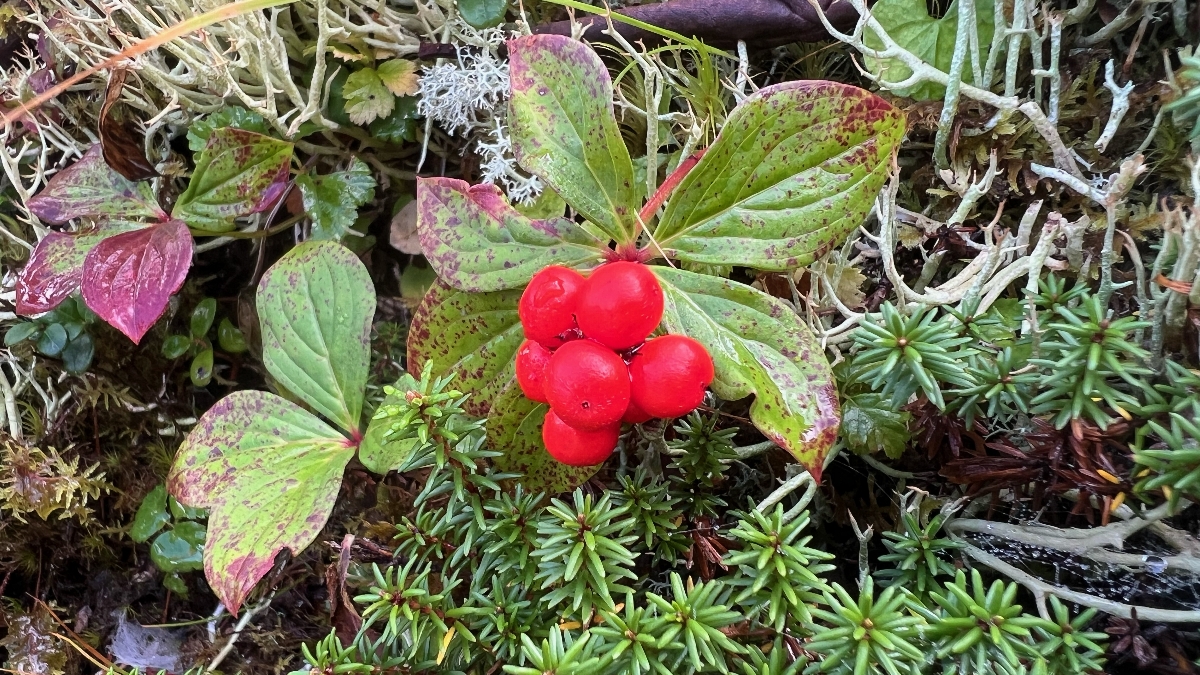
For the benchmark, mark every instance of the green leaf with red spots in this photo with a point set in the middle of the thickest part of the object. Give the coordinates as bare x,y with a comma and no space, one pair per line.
55,269
564,132
473,336
514,426
476,241
269,472
315,306
794,170
90,187
759,346
238,173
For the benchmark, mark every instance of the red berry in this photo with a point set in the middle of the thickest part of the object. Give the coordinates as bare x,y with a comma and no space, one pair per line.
620,305
669,375
634,414
547,307
577,447
532,359
587,385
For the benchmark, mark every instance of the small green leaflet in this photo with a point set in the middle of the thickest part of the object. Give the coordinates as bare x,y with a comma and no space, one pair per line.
483,13
332,200
151,515
315,305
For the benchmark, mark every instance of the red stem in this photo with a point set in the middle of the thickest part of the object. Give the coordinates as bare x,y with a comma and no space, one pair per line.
669,185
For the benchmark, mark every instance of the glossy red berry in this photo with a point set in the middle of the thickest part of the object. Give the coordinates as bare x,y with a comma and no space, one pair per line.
532,359
587,385
620,305
669,375
577,447
634,414
548,305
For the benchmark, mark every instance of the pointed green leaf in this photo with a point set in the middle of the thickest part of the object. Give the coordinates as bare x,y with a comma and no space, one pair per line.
90,187
151,515
315,306
478,242
202,317
759,346
238,173
332,200
564,131
269,472
514,427
473,336
794,170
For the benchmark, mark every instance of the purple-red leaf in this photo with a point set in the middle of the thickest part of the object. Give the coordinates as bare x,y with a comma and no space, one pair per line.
90,187
56,266
128,278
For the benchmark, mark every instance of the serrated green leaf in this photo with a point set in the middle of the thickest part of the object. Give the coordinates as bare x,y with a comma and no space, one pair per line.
871,425
483,13
473,336
759,346
478,242
564,132
932,40
315,306
332,200
366,96
269,472
399,76
238,173
399,126
151,515
229,116
796,168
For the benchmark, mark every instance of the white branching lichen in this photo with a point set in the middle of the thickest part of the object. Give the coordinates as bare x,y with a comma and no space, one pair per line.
467,97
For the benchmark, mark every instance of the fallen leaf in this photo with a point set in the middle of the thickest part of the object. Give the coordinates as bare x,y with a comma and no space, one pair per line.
120,138
403,234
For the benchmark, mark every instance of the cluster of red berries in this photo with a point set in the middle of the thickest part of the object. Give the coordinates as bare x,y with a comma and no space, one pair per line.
586,354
